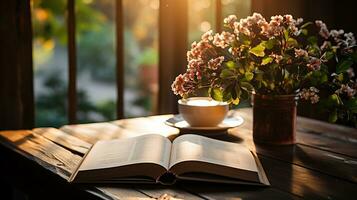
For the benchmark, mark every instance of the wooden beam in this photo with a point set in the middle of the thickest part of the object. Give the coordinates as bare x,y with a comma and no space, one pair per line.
72,62
120,58
16,74
172,50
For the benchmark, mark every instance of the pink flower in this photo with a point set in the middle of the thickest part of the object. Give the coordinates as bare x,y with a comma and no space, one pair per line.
314,64
350,92
350,39
336,33
323,29
178,85
195,63
241,27
288,19
223,40
350,72
183,85
325,45
230,20
215,63
275,27
310,94
276,20
299,21
208,36
277,57
198,50
301,53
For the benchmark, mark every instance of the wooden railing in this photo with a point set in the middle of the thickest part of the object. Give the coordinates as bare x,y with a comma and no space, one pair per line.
172,51
16,77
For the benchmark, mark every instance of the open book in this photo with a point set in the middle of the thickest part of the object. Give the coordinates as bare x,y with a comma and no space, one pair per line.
155,159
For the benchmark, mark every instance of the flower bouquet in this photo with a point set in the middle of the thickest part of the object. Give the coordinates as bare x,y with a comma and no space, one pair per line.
284,59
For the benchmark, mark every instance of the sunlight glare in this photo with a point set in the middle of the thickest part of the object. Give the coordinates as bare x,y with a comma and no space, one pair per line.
205,26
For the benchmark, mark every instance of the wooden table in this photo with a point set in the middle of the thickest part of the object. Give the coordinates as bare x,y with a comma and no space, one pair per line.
322,165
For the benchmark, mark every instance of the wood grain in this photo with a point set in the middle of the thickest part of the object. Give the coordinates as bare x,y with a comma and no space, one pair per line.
46,153
59,137
228,192
304,182
93,132
16,71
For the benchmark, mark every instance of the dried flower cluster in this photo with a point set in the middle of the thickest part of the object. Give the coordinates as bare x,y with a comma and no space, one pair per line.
276,57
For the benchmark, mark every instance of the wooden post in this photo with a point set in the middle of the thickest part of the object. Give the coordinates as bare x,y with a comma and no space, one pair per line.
120,58
72,62
16,75
172,50
219,16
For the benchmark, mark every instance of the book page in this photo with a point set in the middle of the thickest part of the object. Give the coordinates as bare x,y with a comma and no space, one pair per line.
115,153
198,148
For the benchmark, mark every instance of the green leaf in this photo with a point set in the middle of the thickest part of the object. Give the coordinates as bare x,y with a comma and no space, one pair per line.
333,100
249,76
231,65
312,40
324,78
343,66
340,77
230,89
244,39
271,43
286,34
304,31
227,95
292,42
217,94
332,118
241,70
259,75
329,55
352,105
238,90
227,73
235,101
271,86
306,24
247,86
266,60
258,50
354,56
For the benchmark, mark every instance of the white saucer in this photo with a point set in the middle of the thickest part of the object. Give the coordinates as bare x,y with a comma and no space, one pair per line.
229,122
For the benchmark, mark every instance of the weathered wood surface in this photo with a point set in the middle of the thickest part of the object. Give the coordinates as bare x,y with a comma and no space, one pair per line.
321,165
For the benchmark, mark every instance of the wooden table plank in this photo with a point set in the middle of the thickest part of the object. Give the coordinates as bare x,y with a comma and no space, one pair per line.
219,191
327,144
93,132
306,183
166,192
61,138
323,161
46,153
148,125
335,131
123,193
